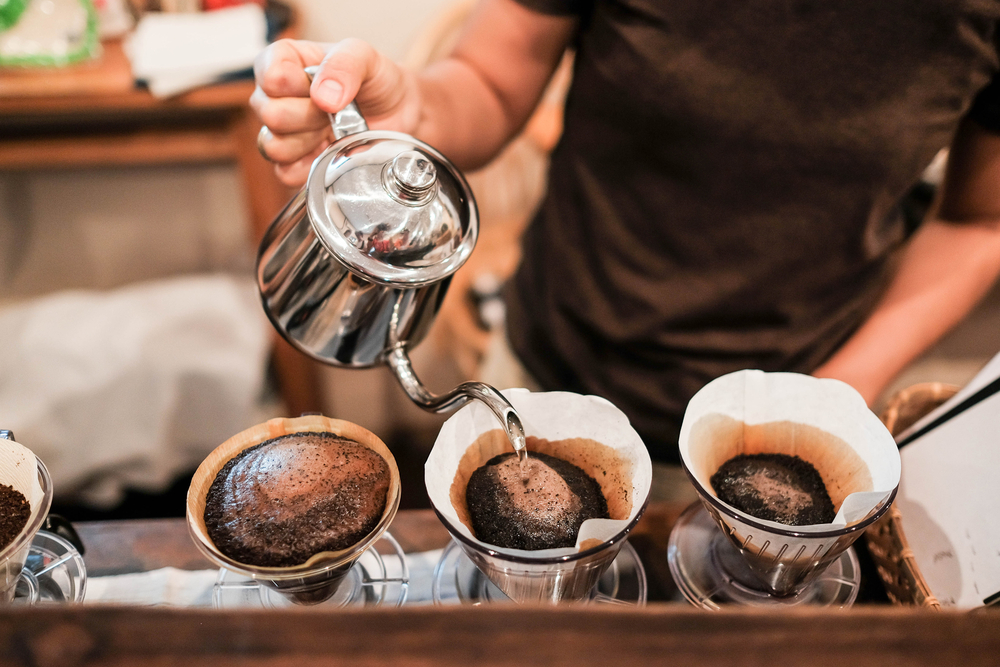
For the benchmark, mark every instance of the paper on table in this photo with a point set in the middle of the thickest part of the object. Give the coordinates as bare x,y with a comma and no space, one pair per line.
167,586
174,587
989,373
950,505
176,52
421,566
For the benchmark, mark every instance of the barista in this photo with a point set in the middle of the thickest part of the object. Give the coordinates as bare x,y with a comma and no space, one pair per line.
725,193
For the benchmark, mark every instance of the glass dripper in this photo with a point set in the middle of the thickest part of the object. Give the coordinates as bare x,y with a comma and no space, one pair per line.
586,431
550,579
777,561
15,554
318,578
825,423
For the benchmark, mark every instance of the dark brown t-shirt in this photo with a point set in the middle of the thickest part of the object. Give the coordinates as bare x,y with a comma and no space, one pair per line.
725,192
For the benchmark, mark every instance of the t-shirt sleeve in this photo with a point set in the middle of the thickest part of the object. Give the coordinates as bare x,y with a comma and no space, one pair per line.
556,7
986,107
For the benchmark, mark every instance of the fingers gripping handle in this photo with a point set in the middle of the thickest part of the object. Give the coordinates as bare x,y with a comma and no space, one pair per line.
346,121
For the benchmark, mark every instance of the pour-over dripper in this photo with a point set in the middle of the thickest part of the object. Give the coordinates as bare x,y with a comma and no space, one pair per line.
585,430
38,491
526,578
318,578
457,580
379,578
824,422
777,561
710,572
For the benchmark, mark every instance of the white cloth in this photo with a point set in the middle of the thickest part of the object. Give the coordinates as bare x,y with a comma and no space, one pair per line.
133,386
193,588
167,586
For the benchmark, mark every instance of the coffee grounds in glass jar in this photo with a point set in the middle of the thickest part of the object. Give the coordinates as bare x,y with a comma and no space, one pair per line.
14,513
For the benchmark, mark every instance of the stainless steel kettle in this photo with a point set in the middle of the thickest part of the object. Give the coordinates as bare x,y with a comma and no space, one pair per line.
356,266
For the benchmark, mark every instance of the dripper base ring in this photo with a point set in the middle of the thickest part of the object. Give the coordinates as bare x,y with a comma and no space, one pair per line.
54,572
458,581
697,550
379,577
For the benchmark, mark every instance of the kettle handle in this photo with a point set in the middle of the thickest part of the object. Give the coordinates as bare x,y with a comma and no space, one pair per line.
346,121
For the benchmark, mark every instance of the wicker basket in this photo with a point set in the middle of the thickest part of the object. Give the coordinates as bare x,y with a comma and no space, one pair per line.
886,541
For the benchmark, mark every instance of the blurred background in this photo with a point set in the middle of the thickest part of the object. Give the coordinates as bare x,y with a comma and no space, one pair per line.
131,200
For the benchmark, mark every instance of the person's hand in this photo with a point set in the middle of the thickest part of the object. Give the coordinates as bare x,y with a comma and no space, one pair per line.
467,105
295,112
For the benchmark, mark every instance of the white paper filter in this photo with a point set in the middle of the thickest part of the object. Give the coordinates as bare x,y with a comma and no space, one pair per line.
552,416
18,469
722,417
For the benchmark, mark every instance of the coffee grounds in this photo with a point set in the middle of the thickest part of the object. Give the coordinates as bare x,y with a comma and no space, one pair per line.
14,514
543,511
279,503
774,487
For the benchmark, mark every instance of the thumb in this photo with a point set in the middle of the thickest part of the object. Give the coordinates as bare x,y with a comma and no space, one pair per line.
346,67
354,70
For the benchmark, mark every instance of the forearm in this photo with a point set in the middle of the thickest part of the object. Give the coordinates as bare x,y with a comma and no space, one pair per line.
477,99
951,262
467,106
944,273
461,115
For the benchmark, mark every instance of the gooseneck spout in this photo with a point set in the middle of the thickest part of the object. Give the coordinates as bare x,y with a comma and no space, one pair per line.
457,397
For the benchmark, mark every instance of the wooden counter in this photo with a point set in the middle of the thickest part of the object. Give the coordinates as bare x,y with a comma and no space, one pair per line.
67,636
120,547
661,633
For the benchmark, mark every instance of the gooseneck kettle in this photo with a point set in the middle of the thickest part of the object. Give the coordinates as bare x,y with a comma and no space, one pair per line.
354,269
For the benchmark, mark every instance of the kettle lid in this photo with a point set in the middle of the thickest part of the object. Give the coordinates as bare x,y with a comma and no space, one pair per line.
392,208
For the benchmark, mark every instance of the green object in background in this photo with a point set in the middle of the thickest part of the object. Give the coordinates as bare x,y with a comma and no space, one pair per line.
10,12
64,32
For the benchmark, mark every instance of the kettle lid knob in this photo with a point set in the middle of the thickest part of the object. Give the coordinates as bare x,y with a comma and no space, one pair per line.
411,177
